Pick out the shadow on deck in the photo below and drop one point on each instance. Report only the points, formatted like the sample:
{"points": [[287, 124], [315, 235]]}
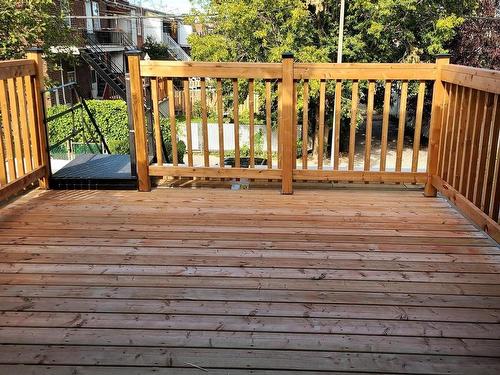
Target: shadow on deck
{"points": [[192, 281]]}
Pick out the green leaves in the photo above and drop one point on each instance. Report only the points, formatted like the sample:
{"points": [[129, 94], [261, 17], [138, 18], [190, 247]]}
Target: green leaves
{"points": [[256, 30], [210, 47], [111, 117], [443, 32], [375, 30], [26, 23]]}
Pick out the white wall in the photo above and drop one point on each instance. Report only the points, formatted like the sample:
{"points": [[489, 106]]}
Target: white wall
{"points": [[184, 32], [153, 27], [213, 136]]}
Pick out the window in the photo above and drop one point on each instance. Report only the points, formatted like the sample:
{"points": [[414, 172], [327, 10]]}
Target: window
{"points": [[71, 76], [66, 12], [95, 13], [166, 28]]}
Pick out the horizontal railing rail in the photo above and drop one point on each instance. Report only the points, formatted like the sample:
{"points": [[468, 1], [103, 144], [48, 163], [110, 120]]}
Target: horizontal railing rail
{"points": [[365, 71], [23, 146]]}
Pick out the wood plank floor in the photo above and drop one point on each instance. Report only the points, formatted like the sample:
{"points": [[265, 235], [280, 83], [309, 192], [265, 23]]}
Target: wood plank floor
{"points": [[193, 281]]}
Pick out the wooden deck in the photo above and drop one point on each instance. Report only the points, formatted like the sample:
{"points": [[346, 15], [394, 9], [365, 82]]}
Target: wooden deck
{"points": [[181, 281]]}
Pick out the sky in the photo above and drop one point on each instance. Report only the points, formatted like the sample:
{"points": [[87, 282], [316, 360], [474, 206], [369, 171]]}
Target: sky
{"points": [[168, 6]]}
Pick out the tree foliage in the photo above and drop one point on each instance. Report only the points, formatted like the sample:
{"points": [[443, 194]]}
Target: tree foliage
{"points": [[478, 40], [156, 50], [375, 30], [28, 23]]}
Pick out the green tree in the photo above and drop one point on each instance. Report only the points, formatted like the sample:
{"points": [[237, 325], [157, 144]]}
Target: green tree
{"points": [[26, 23], [374, 31]]}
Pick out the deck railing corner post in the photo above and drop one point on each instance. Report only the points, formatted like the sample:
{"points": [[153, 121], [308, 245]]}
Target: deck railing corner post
{"points": [[287, 101], [35, 54], [435, 125], [138, 118]]}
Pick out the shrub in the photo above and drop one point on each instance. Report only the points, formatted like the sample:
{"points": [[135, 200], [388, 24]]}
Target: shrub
{"points": [[110, 115]]}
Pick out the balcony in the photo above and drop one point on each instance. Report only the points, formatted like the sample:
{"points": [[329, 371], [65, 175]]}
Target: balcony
{"points": [[108, 40], [372, 272]]}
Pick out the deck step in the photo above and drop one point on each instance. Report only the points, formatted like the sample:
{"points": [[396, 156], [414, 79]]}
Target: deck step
{"points": [[95, 171]]}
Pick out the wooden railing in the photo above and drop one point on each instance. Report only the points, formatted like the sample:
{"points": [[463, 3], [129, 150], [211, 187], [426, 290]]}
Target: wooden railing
{"points": [[23, 146], [285, 81], [462, 156], [387, 76], [467, 159]]}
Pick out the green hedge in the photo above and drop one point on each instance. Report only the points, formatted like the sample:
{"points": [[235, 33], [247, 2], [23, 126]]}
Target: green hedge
{"points": [[112, 118], [110, 115]]}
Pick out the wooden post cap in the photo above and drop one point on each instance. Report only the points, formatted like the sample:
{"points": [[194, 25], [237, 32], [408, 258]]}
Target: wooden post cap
{"points": [[133, 52], [35, 50], [287, 55]]}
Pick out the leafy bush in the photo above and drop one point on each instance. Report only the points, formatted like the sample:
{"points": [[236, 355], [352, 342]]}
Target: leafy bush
{"points": [[155, 50], [110, 115]]}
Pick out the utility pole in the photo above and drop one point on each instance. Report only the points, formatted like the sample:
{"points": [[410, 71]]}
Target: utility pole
{"points": [[339, 60], [341, 31]]}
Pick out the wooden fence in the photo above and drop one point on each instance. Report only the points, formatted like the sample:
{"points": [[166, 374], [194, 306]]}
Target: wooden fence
{"points": [[23, 144], [463, 160]]}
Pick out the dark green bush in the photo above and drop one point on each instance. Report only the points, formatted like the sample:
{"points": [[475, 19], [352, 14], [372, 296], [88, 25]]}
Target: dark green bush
{"points": [[110, 115]]}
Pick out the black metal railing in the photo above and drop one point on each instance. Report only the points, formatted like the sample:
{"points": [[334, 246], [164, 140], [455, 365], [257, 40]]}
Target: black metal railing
{"points": [[112, 37]]}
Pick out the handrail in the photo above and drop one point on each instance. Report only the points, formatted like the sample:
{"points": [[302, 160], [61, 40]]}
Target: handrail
{"points": [[276, 77], [365, 71], [17, 68], [183, 69], [94, 48], [175, 48], [463, 158], [475, 78], [126, 41]]}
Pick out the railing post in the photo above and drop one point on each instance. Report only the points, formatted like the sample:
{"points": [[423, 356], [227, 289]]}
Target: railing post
{"points": [[287, 124], [435, 126], [138, 117], [131, 138], [35, 54]]}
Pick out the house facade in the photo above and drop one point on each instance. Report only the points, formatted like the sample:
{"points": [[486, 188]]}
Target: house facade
{"points": [[106, 30]]}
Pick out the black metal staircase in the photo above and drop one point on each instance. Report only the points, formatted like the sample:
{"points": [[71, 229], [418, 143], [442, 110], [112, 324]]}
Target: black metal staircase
{"points": [[106, 71], [95, 56]]}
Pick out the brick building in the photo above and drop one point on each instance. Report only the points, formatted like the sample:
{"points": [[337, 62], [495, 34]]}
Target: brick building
{"points": [[107, 29]]}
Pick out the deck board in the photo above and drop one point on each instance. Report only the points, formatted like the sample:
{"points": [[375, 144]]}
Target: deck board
{"points": [[189, 281]]}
